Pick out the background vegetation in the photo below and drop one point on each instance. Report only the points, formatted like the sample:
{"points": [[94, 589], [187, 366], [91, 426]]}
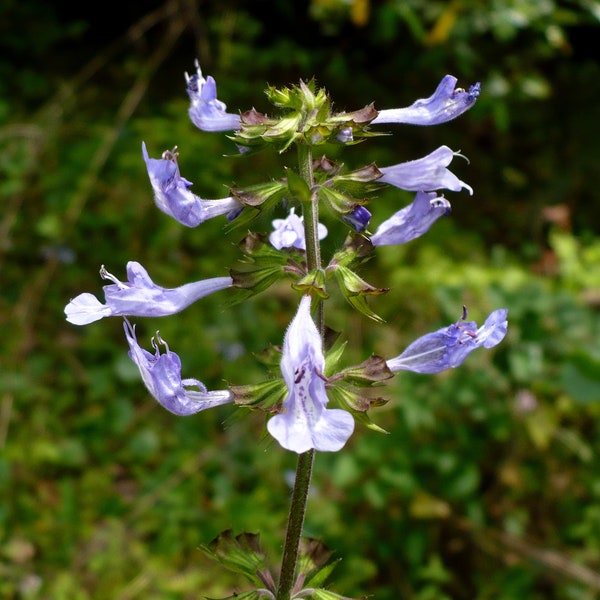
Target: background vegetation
{"points": [[487, 485]]}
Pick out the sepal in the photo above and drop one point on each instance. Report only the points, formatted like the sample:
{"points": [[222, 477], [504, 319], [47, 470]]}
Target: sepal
{"points": [[267, 395], [340, 202], [372, 371], [265, 195], [356, 401], [315, 567], [243, 554], [264, 265], [355, 290], [312, 283], [356, 249]]}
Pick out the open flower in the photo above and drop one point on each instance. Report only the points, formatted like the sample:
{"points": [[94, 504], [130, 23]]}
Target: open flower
{"points": [[206, 111], [425, 174], [172, 193], [161, 374], [139, 296], [304, 422], [445, 104], [448, 347], [412, 221], [289, 232]]}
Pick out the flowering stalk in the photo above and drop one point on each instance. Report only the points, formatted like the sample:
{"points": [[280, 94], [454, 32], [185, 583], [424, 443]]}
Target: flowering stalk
{"points": [[310, 212]]}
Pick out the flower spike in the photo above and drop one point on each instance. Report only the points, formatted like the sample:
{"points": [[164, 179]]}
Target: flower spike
{"points": [[448, 347], [161, 374], [206, 111], [173, 196], [304, 422], [425, 174], [445, 104], [412, 221], [139, 296]]}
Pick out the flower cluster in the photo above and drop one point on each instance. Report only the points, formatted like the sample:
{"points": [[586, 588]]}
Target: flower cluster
{"points": [[309, 378]]}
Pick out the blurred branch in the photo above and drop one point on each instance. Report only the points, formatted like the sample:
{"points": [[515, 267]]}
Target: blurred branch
{"points": [[497, 542]]}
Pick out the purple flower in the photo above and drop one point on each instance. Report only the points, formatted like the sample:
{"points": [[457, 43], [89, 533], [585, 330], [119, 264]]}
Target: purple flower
{"points": [[445, 104], [206, 111], [412, 221], [304, 422], [289, 232], [358, 218], [448, 347], [173, 196], [162, 377], [425, 174], [139, 296]]}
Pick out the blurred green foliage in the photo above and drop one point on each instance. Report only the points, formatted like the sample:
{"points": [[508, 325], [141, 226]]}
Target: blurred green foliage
{"points": [[487, 485]]}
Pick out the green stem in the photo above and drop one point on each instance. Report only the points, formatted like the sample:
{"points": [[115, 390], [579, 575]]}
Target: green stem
{"points": [[291, 550], [295, 525]]}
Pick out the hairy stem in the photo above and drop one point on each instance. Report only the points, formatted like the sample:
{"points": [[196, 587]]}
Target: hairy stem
{"points": [[310, 211]]}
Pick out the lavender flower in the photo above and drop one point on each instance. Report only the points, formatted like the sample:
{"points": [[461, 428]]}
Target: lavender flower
{"points": [[412, 221], [139, 296], [448, 347], [161, 374], [425, 174], [173, 196], [206, 111], [289, 232], [304, 422], [445, 104]]}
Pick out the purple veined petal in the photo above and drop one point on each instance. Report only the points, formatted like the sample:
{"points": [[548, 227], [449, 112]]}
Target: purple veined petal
{"points": [[445, 104], [425, 174], [161, 374], [358, 218], [206, 111], [139, 296], [448, 347], [289, 232], [304, 422], [173, 196], [412, 221]]}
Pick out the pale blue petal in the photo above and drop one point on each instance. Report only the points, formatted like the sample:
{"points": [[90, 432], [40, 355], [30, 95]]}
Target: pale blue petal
{"points": [[445, 104], [139, 296], [412, 221], [304, 422], [206, 111], [161, 374], [425, 174], [448, 347], [173, 196]]}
